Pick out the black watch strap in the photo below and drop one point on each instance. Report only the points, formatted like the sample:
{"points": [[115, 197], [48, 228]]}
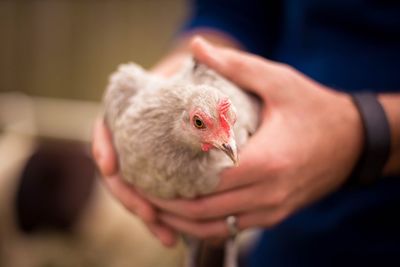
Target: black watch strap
{"points": [[376, 148]]}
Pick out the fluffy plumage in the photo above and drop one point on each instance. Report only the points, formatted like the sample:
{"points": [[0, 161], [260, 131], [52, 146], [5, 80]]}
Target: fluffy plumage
{"points": [[145, 114], [174, 136]]}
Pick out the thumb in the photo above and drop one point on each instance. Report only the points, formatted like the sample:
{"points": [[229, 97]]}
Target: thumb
{"points": [[246, 70]]}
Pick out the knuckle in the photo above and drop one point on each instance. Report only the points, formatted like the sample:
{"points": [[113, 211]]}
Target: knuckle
{"points": [[242, 62], [279, 197], [281, 164], [285, 68], [276, 199], [289, 75]]}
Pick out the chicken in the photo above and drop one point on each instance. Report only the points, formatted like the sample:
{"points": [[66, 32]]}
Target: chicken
{"points": [[174, 136]]}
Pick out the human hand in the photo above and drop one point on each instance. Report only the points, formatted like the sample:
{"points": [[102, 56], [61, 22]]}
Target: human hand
{"points": [[126, 194], [305, 148]]}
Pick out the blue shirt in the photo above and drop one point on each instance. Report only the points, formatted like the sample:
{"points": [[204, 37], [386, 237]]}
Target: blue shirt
{"points": [[349, 45]]}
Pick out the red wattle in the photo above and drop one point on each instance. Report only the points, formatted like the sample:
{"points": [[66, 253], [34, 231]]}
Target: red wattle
{"points": [[206, 147]]}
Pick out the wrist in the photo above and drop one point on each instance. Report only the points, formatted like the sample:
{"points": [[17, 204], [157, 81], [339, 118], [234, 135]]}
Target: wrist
{"points": [[352, 124]]}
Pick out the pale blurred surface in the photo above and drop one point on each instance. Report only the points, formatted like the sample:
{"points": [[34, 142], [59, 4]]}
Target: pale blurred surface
{"points": [[55, 58]]}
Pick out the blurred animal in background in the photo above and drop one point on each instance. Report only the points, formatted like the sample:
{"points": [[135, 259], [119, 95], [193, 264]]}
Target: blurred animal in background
{"points": [[174, 136]]}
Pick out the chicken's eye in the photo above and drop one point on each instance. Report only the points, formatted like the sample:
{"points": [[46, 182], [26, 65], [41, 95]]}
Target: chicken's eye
{"points": [[198, 123]]}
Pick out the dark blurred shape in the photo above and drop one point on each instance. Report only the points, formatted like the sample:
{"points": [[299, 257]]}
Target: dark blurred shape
{"points": [[211, 256], [55, 185]]}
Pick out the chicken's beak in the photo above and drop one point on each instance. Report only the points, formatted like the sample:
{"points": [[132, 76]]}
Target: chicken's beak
{"points": [[230, 150]]}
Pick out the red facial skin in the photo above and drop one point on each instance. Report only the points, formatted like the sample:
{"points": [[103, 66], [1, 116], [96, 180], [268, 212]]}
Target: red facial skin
{"points": [[223, 108], [212, 133], [206, 147]]}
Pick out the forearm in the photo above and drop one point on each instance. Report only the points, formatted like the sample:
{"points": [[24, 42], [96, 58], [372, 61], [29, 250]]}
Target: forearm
{"points": [[391, 104], [168, 65]]}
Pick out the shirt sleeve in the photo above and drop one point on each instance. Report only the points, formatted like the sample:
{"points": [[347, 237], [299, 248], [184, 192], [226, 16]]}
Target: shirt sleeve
{"points": [[253, 23]]}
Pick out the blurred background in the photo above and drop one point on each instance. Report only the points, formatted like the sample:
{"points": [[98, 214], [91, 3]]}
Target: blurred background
{"points": [[55, 58], [67, 48]]}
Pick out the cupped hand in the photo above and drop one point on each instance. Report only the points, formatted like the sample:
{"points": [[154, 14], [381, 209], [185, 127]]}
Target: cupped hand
{"points": [[106, 159], [309, 140], [126, 194]]}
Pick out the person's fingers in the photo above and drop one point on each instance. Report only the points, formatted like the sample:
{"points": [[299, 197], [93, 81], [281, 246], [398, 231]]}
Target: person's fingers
{"points": [[103, 150], [252, 197], [258, 160], [202, 230], [135, 203], [248, 171], [165, 234], [248, 71], [130, 198], [218, 228]]}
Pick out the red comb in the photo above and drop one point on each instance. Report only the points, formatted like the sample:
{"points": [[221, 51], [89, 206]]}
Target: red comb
{"points": [[224, 105]]}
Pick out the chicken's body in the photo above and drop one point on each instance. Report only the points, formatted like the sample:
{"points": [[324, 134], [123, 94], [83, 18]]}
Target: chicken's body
{"points": [[151, 122]]}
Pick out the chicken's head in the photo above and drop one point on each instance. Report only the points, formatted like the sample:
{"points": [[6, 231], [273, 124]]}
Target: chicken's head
{"points": [[209, 120]]}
